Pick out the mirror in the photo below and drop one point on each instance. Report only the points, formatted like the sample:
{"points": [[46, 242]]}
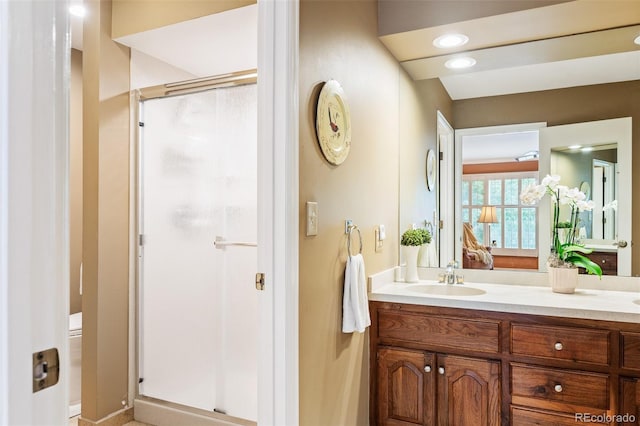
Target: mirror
{"points": [[603, 161], [546, 107]]}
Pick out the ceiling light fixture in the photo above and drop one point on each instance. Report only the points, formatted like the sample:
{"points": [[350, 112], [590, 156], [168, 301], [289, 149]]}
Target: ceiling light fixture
{"points": [[78, 10], [530, 155], [575, 146], [460, 63], [637, 40], [587, 149], [450, 40]]}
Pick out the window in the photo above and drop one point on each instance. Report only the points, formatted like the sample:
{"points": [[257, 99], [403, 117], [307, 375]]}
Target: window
{"points": [[515, 233]]}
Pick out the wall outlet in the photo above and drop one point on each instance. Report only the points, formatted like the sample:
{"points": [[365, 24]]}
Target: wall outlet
{"points": [[312, 218]]}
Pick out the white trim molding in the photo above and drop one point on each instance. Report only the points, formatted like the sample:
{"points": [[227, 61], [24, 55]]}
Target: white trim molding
{"points": [[278, 25]]}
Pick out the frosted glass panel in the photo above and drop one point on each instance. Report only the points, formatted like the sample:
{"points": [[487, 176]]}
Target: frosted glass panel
{"points": [[198, 303]]}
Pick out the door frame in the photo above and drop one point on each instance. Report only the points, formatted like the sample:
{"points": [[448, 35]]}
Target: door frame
{"points": [[34, 216], [278, 118], [278, 28], [447, 193]]}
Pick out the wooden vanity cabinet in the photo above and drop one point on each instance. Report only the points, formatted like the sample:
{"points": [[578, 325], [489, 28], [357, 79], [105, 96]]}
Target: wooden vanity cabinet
{"points": [[500, 368], [421, 388], [608, 262], [630, 384], [421, 378]]}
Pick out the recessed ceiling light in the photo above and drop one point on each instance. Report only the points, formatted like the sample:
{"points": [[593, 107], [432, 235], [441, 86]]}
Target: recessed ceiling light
{"points": [[77, 10], [575, 146], [637, 40], [460, 63], [587, 149], [450, 40]]}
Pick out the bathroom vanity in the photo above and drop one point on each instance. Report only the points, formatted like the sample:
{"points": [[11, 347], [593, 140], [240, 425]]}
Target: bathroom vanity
{"points": [[503, 355]]}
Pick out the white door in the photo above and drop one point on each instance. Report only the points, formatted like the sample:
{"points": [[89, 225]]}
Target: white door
{"points": [[34, 291], [602, 133], [446, 192]]}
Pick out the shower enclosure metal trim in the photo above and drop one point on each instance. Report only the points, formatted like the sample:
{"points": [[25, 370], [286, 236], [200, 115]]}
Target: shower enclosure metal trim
{"points": [[166, 91]]}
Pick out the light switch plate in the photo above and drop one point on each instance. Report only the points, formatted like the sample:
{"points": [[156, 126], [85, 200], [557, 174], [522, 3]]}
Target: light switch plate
{"points": [[380, 236], [312, 218]]}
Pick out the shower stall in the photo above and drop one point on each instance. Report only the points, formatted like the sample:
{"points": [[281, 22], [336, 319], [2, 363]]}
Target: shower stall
{"points": [[197, 224]]}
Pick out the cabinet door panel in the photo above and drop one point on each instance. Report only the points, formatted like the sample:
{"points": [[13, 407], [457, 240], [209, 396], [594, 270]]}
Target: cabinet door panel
{"points": [[405, 390], [468, 391]]}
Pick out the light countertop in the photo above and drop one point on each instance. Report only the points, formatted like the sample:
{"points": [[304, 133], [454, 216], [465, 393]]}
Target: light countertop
{"points": [[597, 304]]}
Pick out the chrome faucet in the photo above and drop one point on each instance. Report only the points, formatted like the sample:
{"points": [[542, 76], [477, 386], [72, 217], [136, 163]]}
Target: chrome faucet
{"points": [[450, 276]]}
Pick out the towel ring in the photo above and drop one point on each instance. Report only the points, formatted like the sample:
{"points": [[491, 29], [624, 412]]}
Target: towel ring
{"points": [[428, 225], [351, 228]]}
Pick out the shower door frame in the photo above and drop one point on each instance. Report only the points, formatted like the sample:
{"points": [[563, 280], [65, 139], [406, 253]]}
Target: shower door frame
{"points": [[160, 92]]}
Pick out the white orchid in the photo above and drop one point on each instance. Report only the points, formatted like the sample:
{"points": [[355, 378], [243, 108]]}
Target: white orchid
{"points": [[550, 181], [611, 206], [568, 252]]}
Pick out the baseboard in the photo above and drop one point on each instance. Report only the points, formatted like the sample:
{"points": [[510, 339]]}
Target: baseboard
{"points": [[119, 418], [161, 413]]}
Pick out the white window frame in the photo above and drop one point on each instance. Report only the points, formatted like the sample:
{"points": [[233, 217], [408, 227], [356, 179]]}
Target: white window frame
{"points": [[485, 177]]}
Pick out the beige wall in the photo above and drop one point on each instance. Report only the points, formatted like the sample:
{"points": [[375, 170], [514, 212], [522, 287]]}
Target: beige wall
{"points": [[419, 103], [106, 217], [134, 16], [75, 181], [334, 366], [563, 106]]}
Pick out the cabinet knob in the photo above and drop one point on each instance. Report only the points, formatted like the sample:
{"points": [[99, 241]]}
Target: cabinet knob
{"points": [[558, 346], [441, 370], [604, 261], [558, 388], [427, 369]]}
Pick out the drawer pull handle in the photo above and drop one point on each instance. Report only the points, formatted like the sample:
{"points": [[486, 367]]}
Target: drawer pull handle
{"points": [[427, 369], [558, 388], [441, 370], [558, 346]]}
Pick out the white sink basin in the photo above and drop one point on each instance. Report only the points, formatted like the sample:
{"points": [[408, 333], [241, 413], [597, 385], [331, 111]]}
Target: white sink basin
{"points": [[446, 289]]}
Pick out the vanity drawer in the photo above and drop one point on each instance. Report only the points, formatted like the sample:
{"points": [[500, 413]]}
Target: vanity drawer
{"points": [[446, 332], [562, 386], [521, 416], [630, 350], [569, 343], [608, 262]]}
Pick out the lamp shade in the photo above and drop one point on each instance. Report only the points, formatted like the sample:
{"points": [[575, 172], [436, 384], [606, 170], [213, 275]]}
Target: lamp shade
{"points": [[488, 215]]}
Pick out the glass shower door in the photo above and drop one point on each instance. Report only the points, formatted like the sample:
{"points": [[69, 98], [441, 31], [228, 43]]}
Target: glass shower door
{"points": [[197, 302]]}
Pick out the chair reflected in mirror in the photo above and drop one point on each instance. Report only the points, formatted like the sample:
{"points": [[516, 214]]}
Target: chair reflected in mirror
{"points": [[474, 254]]}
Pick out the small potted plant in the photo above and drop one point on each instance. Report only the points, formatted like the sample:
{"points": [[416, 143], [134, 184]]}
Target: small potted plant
{"points": [[411, 241]]}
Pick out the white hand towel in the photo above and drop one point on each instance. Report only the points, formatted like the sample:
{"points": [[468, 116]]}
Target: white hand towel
{"points": [[355, 304]]}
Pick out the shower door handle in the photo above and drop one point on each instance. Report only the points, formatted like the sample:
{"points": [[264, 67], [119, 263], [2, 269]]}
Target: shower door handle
{"points": [[221, 243]]}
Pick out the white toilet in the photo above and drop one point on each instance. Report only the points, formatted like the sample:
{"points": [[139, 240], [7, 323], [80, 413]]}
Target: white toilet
{"points": [[75, 362]]}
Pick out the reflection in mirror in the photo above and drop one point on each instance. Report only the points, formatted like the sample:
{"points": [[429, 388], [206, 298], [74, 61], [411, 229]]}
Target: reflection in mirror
{"points": [[592, 170], [603, 158], [589, 74], [495, 164]]}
